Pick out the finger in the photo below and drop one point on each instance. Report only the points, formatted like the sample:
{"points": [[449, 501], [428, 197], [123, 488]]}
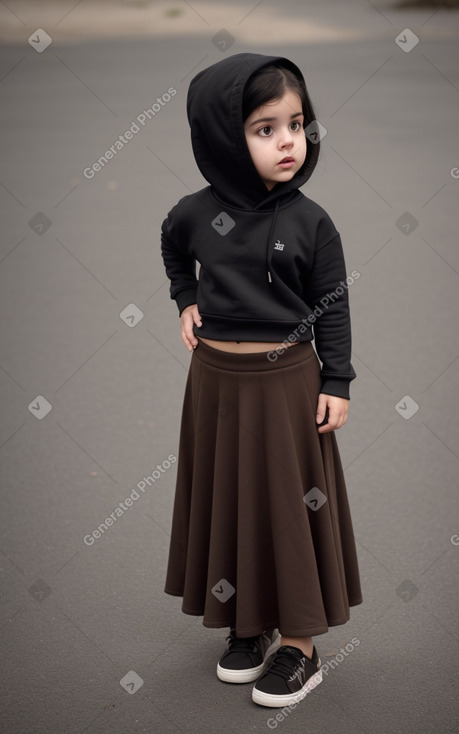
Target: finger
{"points": [[186, 341], [325, 429], [187, 326], [197, 317], [191, 339], [321, 408], [336, 420], [325, 404]]}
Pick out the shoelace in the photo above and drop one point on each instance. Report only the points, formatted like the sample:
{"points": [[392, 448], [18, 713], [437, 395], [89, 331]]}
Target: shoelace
{"points": [[283, 664], [242, 644]]}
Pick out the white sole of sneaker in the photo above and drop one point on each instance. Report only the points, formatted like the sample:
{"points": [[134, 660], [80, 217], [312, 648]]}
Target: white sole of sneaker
{"points": [[269, 699], [248, 675]]}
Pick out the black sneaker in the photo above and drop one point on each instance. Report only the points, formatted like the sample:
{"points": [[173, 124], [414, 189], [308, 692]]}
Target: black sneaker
{"points": [[244, 659], [287, 678]]}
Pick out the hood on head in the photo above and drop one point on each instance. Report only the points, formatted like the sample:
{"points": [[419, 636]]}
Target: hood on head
{"points": [[214, 108]]}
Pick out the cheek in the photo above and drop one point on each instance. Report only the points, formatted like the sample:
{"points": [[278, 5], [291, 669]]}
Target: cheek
{"points": [[252, 146], [257, 151], [302, 148]]}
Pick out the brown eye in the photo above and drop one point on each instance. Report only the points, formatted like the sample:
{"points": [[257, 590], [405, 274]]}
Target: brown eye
{"points": [[265, 131]]}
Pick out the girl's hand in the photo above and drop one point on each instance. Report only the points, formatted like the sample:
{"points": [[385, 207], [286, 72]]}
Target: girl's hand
{"points": [[189, 317], [338, 409]]}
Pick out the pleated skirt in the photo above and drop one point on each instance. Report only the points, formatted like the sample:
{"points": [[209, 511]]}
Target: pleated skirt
{"points": [[262, 535]]}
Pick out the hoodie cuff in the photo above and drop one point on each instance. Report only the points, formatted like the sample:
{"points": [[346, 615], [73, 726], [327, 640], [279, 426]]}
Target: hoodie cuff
{"points": [[185, 298], [337, 387]]}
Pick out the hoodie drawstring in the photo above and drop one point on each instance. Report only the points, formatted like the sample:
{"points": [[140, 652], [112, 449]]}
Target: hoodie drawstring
{"points": [[268, 244]]}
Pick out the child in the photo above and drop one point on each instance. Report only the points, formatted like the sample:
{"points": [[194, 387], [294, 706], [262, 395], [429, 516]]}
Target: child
{"points": [[262, 539]]}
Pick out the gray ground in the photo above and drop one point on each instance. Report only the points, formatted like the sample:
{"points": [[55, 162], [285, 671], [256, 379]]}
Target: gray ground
{"points": [[77, 619]]}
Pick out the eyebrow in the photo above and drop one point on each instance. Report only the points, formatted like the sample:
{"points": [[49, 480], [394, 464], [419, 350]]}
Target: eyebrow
{"points": [[270, 119]]}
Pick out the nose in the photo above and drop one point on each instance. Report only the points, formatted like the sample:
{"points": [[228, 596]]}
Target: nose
{"points": [[286, 138]]}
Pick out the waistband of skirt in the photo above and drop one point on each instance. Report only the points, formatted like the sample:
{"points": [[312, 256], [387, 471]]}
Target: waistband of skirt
{"points": [[254, 361]]}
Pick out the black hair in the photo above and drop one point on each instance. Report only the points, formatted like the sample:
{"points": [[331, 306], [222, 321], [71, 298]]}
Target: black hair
{"points": [[269, 84]]}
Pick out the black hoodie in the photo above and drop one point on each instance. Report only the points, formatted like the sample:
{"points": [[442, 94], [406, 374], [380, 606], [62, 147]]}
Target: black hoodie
{"points": [[271, 262]]}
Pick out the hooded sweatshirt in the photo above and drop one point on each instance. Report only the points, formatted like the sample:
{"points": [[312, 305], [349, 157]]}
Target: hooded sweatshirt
{"points": [[271, 263]]}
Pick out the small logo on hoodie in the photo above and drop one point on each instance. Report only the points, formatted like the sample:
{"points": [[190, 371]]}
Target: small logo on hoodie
{"points": [[279, 245], [223, 223]]}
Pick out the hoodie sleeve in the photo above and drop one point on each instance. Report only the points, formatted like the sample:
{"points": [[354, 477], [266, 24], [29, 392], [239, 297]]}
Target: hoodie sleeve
{"points": [[180, 266], [326, 294]]}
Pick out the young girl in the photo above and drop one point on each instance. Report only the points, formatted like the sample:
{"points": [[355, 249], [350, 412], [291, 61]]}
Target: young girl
{"points": [[262, 539]]}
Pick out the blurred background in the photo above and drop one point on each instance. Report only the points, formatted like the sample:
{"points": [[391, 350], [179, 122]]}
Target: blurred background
{"points": [[95, 151]]}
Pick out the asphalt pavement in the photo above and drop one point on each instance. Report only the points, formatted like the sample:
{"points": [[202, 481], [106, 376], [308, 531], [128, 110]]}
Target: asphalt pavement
{"points": [[92, 368]]}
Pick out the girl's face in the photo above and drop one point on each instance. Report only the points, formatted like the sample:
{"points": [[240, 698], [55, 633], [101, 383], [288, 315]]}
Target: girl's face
{"points": [[276, 139]]}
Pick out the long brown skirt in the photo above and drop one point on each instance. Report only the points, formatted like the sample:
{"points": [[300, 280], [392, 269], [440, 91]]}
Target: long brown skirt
{"points": [[262, 534]]}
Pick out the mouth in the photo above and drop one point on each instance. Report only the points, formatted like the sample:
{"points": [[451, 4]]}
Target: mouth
{"points": [[286, 162]]}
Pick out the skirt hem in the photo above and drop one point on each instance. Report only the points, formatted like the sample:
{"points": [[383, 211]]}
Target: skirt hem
{"points": [[263, 626]]}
